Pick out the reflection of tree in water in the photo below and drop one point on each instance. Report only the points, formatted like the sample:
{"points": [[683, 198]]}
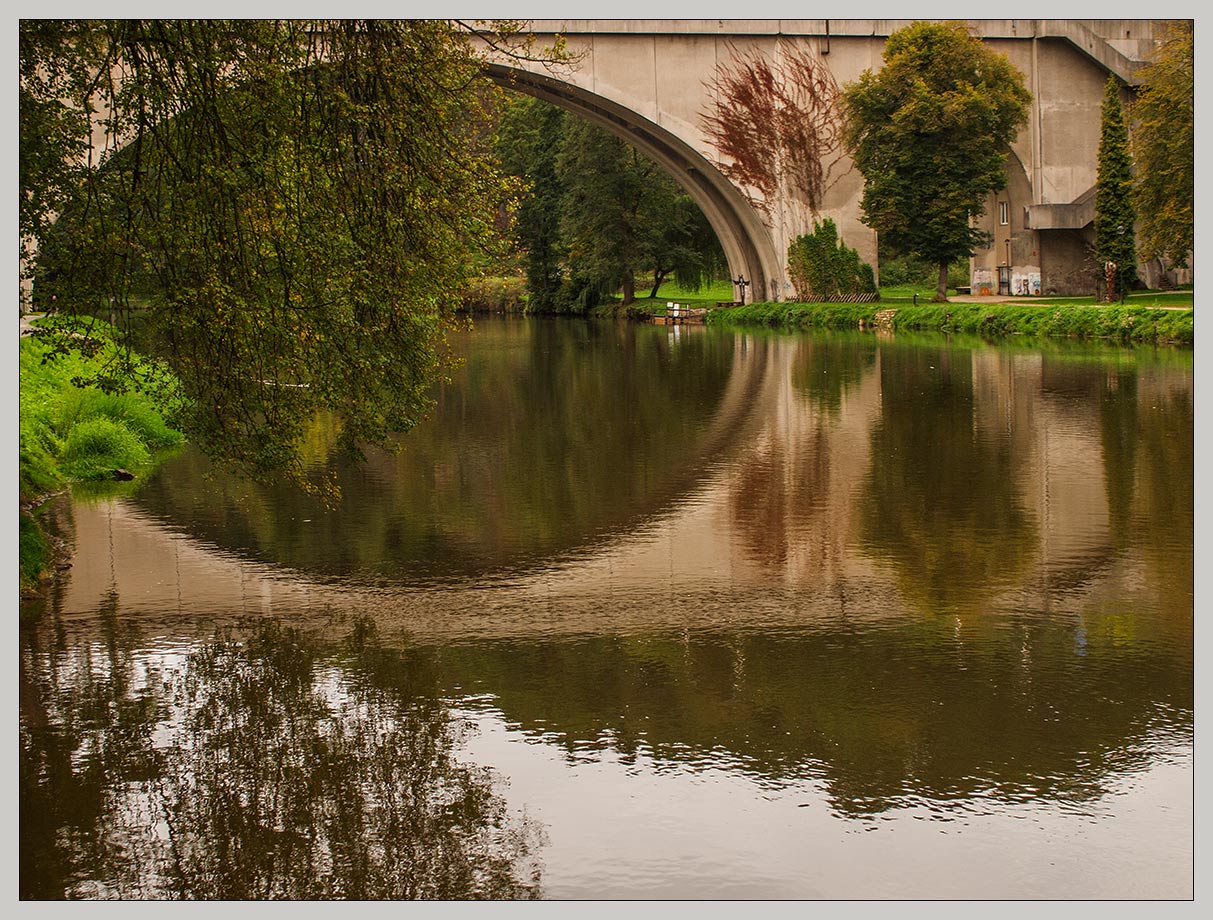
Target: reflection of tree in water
{"points": [[1167, 503], [906, 713], [942, 503], [550, 436], [785, 481], [1119, 436], [260, 769], [828, 365]]}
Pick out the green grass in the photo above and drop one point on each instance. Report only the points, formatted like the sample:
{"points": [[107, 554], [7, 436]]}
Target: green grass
{"points": [[1181, 298], [95, 447], [707, 296], [71, 433], [1136, 321]]}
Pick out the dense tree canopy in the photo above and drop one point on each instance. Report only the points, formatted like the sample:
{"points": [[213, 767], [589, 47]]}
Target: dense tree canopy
{"points": [[529, 144], [597, 214], [1164, 148], [290, 208], [1114, 216], [930, 133]]}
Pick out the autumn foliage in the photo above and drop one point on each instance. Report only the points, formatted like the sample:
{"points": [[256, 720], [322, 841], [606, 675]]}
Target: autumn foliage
{"points": [[777, 125]]}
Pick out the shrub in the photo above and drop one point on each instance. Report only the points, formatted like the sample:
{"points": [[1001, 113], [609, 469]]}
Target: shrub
{"points": [[97, 446], [496, 295], [132, 412], [823, 269], [906, 270]]}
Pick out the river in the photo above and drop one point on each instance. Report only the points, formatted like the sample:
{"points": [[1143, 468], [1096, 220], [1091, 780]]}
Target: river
{"points": [[646, 612]]}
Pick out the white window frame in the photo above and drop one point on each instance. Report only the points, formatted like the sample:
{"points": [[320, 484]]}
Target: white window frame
{"points": [[1004, 213]]}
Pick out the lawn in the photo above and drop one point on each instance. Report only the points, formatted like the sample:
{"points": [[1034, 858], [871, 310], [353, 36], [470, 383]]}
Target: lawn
{"points": [[723, 292]]}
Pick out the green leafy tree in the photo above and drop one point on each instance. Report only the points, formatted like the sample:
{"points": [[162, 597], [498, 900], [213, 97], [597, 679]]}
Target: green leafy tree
{"points": [[528, 144], [57, 60], [678, 239], [604, 187], [1114, 214], [595, 214], [622, 215], [930, 133], [294, 206], [1163, 146]]}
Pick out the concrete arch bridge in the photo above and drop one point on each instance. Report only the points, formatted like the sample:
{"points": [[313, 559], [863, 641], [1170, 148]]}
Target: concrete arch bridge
{"points": [[651, 82]]}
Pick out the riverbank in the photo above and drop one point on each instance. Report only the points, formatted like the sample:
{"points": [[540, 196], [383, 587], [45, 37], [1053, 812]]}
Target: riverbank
{"points": [[980, 316], [71, 434]]}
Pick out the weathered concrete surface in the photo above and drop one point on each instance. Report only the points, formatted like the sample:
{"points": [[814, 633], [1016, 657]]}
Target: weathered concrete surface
{"points": [[649, 81]]}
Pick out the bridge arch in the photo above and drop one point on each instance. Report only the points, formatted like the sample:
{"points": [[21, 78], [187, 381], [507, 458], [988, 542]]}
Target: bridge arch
{"points": [[744, 238]]}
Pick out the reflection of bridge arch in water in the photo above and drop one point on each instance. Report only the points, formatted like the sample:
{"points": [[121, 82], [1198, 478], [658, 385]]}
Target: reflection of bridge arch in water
{"points": [[854, 682], [678, 561], [153, 562]]}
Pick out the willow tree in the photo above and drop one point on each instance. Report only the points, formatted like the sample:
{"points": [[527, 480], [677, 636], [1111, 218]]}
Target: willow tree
{"points": [[930, 132], [290, 207]]}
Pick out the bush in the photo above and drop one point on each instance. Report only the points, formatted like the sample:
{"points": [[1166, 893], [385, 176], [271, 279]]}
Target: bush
{"points": [[823, 269], [132, 412], [496, 295], [96, 447]]}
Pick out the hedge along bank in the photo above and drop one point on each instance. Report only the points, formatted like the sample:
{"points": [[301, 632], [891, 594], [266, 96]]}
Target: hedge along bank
{"points": [[1119, 323]]}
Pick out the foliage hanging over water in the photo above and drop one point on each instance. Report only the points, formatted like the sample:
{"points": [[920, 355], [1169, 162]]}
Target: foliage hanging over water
{"points": [[290, 208]]}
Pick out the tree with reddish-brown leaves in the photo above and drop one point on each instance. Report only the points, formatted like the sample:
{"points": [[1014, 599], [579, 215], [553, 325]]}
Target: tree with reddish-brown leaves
{"points": [[777, 125]]}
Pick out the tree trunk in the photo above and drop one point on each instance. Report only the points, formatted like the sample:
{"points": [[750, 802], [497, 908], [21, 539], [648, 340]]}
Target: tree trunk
{"points": [[941, 289], [658, 277], [629, 289]]}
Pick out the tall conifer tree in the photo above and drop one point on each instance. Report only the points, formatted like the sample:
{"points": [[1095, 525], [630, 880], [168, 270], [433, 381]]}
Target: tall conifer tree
{"points": [[1114, 215]]}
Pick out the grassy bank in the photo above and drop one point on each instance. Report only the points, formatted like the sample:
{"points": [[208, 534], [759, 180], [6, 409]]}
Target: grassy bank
{"points": [[72, 434], [1128, 323]]}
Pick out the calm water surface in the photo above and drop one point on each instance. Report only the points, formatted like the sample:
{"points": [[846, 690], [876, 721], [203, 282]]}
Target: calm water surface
{"points": [[645, 613]]}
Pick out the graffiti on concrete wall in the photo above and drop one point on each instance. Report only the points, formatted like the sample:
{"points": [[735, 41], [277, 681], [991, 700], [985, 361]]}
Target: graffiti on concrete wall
{"points": [[984, 282], [1025, 281]]}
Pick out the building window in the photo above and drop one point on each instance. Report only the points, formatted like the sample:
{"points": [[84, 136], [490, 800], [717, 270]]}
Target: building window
{"points": [[1004, 213]]}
